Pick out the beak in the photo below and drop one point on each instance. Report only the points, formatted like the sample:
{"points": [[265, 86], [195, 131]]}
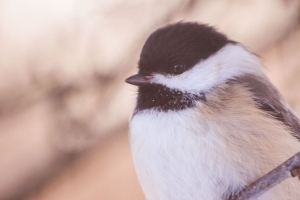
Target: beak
{"points": [[139, 80]]}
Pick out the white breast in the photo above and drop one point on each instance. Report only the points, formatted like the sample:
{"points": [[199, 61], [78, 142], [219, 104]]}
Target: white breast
{"points": [[178, 155]]}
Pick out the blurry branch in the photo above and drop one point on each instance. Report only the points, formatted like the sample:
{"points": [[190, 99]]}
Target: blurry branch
{"points": [[289, 168], [17, 99], [75, 106]]}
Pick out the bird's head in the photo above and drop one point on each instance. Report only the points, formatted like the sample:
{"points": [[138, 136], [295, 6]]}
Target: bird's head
{"points": [[181, 62]]}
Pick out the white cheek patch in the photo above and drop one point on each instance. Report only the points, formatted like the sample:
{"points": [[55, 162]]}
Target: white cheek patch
{"points": [[229, 62]]}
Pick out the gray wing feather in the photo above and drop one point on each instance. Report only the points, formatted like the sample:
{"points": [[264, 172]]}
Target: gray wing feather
{"points": [[270, 100]]}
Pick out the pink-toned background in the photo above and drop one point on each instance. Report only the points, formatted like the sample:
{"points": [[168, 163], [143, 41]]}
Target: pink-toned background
{"points": [[64, 106]]}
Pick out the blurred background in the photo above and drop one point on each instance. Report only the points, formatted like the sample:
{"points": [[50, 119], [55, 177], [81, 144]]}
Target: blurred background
{"points": [[64, 106]]}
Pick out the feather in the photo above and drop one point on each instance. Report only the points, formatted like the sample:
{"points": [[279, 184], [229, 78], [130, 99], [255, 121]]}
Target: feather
{"points": [[270, 100]]}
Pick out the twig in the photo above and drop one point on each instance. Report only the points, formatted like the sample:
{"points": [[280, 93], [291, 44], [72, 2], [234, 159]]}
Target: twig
{"points": [[270, 180]]}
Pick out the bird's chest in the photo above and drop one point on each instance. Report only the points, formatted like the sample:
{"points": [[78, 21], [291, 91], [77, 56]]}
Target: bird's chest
{"points": [[177, 157], [182, 155]]}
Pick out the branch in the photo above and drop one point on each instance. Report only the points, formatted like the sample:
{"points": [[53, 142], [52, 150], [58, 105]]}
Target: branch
{"points": [[277, 175]]}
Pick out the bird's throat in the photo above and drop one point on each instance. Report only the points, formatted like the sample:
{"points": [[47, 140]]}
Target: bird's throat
{"points": [[162, 98]]}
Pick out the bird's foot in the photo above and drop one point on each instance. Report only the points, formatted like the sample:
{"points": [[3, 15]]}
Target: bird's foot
{"points": [[296, 172]]}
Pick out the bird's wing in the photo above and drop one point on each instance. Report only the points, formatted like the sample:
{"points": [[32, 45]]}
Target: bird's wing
{"points": [[270, 100]]}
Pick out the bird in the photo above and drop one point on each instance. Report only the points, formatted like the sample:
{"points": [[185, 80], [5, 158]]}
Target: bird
{"points": [[207, 120]]}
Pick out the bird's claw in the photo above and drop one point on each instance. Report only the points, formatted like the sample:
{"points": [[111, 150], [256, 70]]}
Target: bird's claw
{"points": [[296, 172]]}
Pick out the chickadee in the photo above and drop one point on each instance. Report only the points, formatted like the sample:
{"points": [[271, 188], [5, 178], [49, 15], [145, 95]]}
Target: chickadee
{"points": [[207, 121]]}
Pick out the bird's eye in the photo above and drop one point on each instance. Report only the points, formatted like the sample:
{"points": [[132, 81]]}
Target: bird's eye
{"points": [[178, 69]]}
